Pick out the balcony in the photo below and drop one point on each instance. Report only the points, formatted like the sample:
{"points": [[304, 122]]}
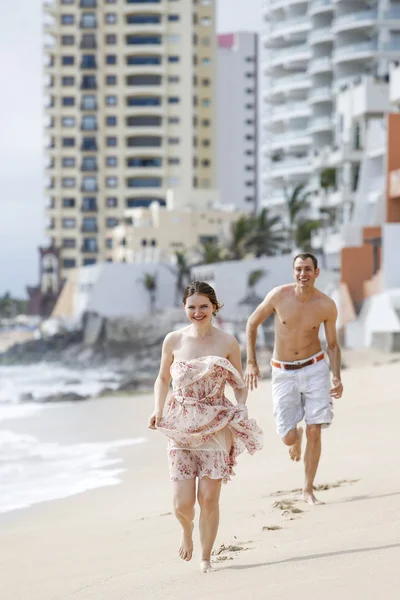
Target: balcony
{"points": [[320, 65], [355, 52], [321, 124], [288, 83], [297, 53], [320, 6], [292, 139], [277, 4], [320, 95], [291, 110], [356, 20], [89, 228], [289, 26], [323, 35], [290, 167], [89, 249]]}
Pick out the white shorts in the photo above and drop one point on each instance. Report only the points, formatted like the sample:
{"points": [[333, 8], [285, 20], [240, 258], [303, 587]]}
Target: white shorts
{"points": [[301, 393]]}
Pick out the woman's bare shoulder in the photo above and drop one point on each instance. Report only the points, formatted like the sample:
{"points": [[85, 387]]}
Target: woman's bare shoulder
{"points": [[174, 338]]}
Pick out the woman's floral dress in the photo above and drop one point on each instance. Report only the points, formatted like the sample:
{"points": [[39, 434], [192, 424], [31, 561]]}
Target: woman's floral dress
{"points": [[206, 431]]}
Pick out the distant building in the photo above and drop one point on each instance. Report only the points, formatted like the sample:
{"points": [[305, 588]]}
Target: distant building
{"points": [[130, 111], [238, 119], [43, 297]]}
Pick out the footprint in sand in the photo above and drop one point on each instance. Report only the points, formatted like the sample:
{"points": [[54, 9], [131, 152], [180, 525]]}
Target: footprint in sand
{"points": [[287, 507], [271, 528], [229, 552], [318, 488]]}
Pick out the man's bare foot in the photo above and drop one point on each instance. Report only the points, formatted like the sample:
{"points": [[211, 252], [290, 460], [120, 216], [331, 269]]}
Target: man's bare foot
{"points": [[186, 547], [311, 499], [205, 566], [295, 450]]}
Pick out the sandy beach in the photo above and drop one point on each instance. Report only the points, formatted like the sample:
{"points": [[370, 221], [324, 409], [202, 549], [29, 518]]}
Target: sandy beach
{"points": [[121, 542]]}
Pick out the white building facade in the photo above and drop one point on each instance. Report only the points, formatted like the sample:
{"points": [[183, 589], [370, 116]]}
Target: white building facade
{"points": [[237, 119], [314, 50], [129, 107]]}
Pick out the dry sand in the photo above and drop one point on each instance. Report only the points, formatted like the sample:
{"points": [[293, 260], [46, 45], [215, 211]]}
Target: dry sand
{"points": [[121, 543]]}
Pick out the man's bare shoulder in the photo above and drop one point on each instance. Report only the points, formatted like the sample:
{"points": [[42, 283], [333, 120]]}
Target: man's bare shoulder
{"points": [[326, 302], [281, 291]]}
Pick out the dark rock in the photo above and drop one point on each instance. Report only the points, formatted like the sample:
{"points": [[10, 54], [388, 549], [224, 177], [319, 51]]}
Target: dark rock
{"points": [[64, 397]]}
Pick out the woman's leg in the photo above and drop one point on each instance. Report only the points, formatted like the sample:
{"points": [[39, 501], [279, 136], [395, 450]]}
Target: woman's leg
{"points": [[184, 498], [208, 497]]}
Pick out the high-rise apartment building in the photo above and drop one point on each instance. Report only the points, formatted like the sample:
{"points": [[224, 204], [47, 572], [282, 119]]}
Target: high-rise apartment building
{"points": [[237, 119], [313, 50], [130, 109]]}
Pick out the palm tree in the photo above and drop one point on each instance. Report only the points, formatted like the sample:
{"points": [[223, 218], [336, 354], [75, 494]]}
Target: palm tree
{"points": [[182, 271], [251, 298], [210, 252], [303, 233], [266, 234], [239, 234], [296, 202], [150, 284]]}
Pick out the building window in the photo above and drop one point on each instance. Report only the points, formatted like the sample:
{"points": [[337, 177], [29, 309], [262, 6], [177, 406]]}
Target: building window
{"points": [[144, 101], [88, 40], [111, 39], [205, 143], [67, 1], [173, 18], [111, 80], [143, 40], [249, 91], [111, 100], [206, 2], [89, 184], [206, 21], [111, 59], [89, 102], [206, 123], [174, 120], [67, 40], [111, 182], [68, 121], [174, 161], [249, 75], [68, 101], [206, 102], [88, 61], [68, 162], [88, 3], [88, 82], [69, 223], [111, 1], [249, 137], [89, 261], [205, 163], [112, 202], [89, 144], [111, 121], [111, 141], [69, 243], [111, 161], [89, 163], [89, 204], [68, 60], [174, 79], [89, 123], [67, 19], [143, 19], [89, 245], [144, 182], [68, 142], [143, 59], [89, 224], [88, 21], [144, 162], [173, 141], [249, 183], [111, 222], [206, 61], [250, 106], [205, 82], [173, 100], [68, 263], [173, 59], [249, 198], [111, 18], [68, 202], [249, 168], [109, 243]]}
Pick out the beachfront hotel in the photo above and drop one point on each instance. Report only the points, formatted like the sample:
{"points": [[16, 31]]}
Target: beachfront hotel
{"points": [[312, 52], [129, 114]]}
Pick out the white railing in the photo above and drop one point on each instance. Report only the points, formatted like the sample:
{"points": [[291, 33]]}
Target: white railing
{"points": [[292, 106], [320, 64], [322, 92], [364, 15], [356, 48], [324, 35]]}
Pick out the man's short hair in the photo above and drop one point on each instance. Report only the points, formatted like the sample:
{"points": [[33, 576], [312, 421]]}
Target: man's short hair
{"points": [[304, 256]]}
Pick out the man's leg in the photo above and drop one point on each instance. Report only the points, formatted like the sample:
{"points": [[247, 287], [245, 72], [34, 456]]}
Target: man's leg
{"points": [[208, 497], [184, 497], [311, 460], [293, 440]]}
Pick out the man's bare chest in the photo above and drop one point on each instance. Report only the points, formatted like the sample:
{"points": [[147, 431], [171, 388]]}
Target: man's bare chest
{"points": [[296, 318]]}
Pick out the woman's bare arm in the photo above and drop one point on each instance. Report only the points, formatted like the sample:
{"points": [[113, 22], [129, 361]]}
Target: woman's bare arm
{"points": [[161, 386]]}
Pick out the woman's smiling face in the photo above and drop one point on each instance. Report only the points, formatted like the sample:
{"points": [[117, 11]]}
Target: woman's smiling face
{"points": [[199, 309]]}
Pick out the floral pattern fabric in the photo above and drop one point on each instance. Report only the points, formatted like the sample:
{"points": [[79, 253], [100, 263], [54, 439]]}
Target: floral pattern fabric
{"points": [[206, 431]]}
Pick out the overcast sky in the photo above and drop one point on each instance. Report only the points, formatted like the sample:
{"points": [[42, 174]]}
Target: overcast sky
{"points": [[21, 176]]}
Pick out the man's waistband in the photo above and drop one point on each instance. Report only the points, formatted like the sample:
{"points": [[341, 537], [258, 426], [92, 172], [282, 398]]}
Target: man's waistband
{"points": [[298, 364]]}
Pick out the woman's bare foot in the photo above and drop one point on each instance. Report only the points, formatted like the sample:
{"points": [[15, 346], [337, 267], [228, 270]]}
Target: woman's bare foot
{"points": [[311, 499], [295, 450], [186, 547], [205, 566]]}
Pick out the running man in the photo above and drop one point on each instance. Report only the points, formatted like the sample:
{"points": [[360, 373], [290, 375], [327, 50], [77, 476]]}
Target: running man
{"points": [[300, 374]]}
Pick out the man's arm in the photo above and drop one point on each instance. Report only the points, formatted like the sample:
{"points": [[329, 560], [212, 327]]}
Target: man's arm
{"points": [[262, 312], [333, 350]]}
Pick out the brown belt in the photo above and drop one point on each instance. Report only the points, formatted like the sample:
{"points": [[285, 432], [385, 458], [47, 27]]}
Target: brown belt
{"points": [[294, 367]]}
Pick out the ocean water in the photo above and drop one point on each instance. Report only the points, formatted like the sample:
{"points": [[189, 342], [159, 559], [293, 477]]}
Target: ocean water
{"points": [[32, 470]]}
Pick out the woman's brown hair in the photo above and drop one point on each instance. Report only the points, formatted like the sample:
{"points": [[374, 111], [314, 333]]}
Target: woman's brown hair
{"points": [[201, 287]]}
